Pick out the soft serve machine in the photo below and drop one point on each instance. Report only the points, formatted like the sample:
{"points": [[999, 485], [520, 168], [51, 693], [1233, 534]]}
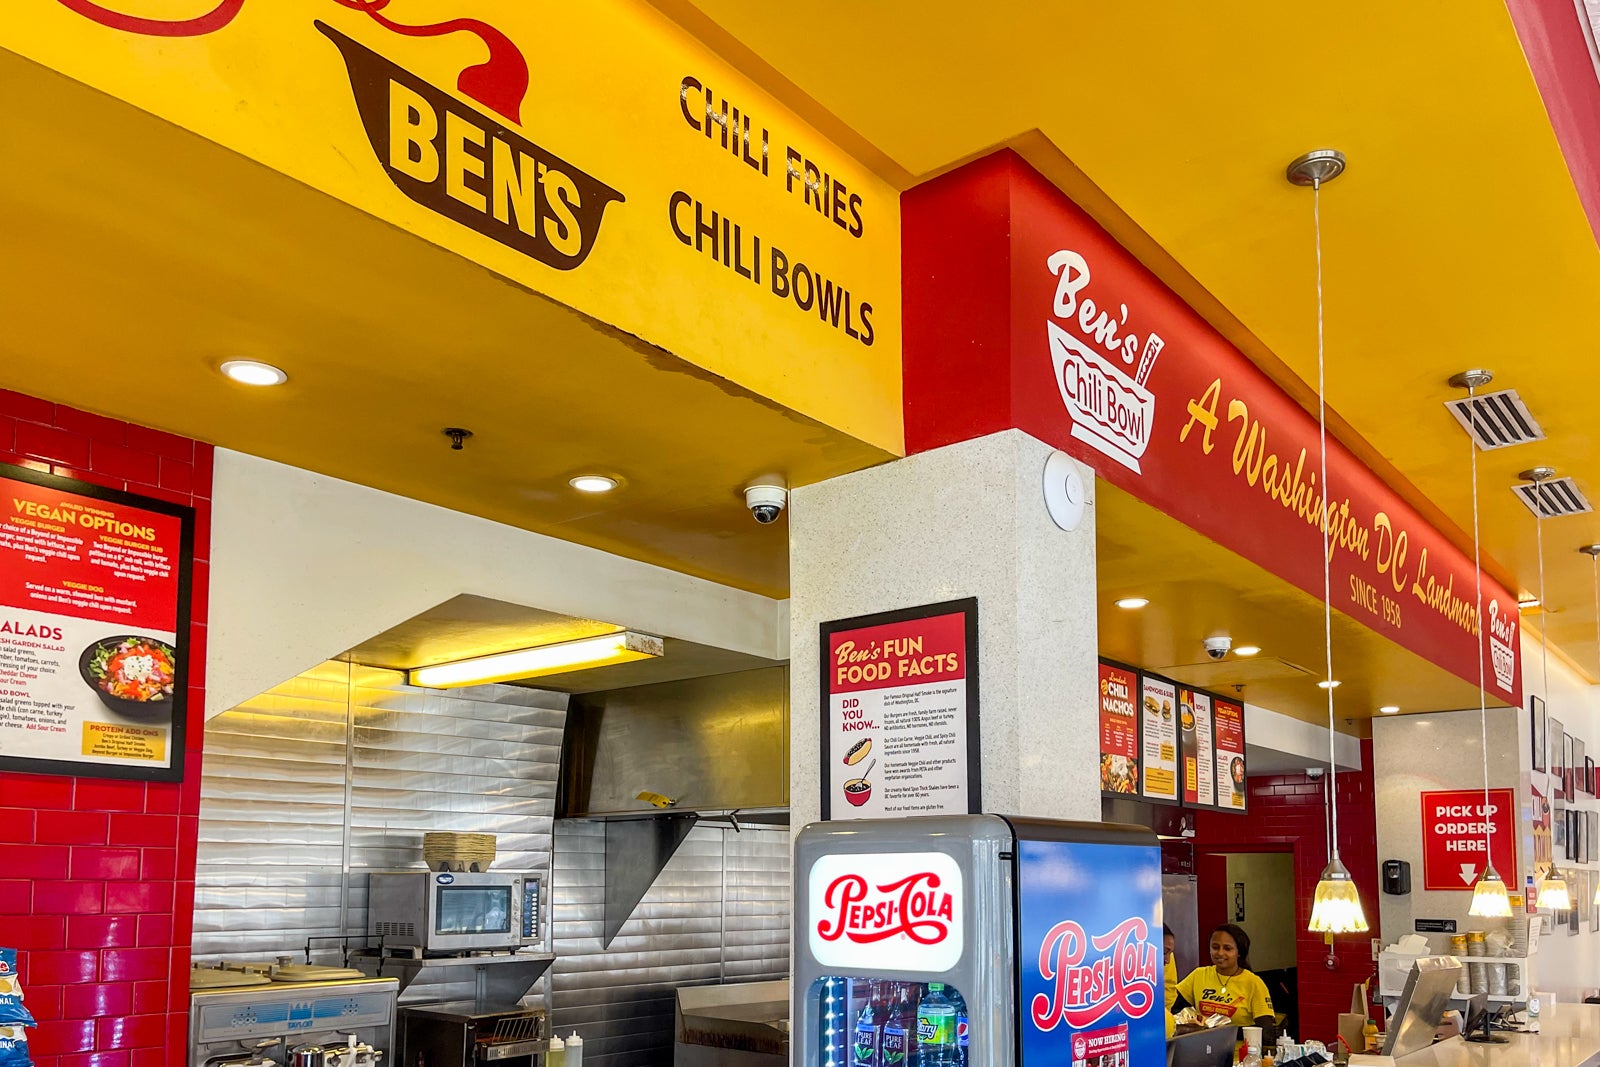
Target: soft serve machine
{"points": [[289, 1015]]}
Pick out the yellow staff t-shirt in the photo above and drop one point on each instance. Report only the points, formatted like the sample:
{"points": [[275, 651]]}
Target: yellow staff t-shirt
{"points": [[1242, 997]]}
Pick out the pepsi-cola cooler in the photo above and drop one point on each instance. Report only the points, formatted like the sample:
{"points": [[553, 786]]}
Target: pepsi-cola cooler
{"points": [[977, 941]]}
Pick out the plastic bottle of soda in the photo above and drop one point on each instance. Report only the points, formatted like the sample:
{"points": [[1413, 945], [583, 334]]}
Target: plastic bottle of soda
{"points": [[869, 1031], [936, 1029], [963, 1030], [895, 1045]]}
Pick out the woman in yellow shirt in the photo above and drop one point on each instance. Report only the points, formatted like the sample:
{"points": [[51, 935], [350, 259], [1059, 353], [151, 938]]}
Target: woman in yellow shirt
{"points": [[1227, 987]]}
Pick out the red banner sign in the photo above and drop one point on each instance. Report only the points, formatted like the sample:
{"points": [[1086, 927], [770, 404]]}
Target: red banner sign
{"points": [[1453, 831], [1111, 366]]}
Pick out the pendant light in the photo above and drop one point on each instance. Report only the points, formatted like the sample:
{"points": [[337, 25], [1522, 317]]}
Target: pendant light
{"points": [[1489, 897], [1593, 552], [1336, 905], [1553, 893]]}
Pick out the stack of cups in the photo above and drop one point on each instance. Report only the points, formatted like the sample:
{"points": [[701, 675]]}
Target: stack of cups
{"points": [[1458, 949], [1475, 947]]}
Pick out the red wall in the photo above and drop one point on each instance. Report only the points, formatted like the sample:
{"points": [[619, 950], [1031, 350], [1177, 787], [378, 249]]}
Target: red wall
{"points": [[1288, 809], [97, 875]]}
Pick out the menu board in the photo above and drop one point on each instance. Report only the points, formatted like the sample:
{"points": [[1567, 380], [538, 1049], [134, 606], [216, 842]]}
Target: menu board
{"points": [[1158, 721], [94, 621], [1119, 731], [1199, 753], [900, 713], [1229, 736]]}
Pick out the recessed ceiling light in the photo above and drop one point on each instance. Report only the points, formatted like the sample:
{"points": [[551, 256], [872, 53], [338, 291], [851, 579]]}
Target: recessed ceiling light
{"points": [[1330, 684], [253, 372], [1131, 602], [593, 483], [1389, 709], [1247, 650]]}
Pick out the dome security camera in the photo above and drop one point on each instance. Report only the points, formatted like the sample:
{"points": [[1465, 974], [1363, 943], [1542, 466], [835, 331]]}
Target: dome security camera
{"points": [[766, 502], [1217, 647]]}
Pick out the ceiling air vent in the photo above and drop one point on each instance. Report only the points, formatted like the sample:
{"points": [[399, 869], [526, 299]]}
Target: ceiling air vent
{"points": [[1559, 496], [1496, 420]]}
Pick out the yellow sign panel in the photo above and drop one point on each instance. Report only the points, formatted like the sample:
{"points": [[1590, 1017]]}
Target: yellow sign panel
{"points": [[109, 740], [594, 152]]}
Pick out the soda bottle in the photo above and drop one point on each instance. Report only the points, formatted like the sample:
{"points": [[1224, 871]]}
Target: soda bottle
{"points": [[869, 1031], [936, 1029], [895, 1044], [963, 1028]]}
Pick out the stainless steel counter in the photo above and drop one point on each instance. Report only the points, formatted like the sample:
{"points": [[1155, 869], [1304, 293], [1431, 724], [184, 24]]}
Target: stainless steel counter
{"points": [[1569, 1038]]}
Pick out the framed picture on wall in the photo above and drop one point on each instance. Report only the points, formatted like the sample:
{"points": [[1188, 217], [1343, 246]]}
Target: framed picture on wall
{"points": [[1588, 773], [1572, 921], [1540, 732], [1580, 782], [1555, 734], [1566, 765], [1558, 828]]}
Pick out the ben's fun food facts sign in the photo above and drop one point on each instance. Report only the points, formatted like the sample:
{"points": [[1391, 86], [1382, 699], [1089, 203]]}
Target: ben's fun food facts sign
{"points": [[94, 589], [899, 730]]}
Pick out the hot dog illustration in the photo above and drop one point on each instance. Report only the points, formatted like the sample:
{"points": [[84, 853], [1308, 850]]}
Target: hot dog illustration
{"points": [[858, 752]]}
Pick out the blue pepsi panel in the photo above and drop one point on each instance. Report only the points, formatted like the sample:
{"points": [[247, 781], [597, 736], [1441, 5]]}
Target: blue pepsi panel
{"points": [[1089, 950]]}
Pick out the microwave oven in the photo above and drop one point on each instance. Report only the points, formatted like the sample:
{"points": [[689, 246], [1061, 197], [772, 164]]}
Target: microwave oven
{"points": [[454, 912]]}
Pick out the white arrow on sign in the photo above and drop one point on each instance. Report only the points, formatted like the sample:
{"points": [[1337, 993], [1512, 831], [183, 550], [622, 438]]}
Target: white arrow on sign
{"points": [[1469, 873]]}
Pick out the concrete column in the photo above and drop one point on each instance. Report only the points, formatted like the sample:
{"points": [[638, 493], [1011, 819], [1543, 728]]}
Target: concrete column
{"points": [[965, 520]]}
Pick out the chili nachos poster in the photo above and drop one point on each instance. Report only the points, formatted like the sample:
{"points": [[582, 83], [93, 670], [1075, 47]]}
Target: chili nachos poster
{"points": [[94, 616], [900, 713]]}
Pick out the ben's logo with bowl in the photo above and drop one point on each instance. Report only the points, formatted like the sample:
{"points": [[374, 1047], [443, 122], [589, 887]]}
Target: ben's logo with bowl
{"points": [[463, 162], [1089, 976], [1503, 644], [1092, 349]]}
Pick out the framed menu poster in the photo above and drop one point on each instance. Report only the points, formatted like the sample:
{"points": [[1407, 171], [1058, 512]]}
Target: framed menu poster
{"points": [[94, 628], [1158, 737], [1199, 748], [1229, 740], [1119, 730], [900, 713]]}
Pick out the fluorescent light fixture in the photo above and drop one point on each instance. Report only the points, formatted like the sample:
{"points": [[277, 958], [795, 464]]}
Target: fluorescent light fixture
{"points": [[1332, 683], [253, 372], [1528, 605], [1247, 650], [1389, 709], [1132, 602], [545, 659], [593, 483]]}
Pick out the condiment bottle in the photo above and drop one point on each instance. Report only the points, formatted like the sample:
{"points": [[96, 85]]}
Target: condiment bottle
{"points": [[557, 1055], [1369, 1036], [574, 1055]]}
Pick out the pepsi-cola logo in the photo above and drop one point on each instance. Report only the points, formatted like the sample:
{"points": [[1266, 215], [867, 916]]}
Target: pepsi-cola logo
{"points": [[886, 910], [915, 905], [1082, 988]]}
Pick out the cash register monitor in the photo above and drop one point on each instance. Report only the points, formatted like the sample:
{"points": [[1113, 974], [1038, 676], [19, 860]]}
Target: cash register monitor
{"points": [[1212, 1047], [1427, 993]]}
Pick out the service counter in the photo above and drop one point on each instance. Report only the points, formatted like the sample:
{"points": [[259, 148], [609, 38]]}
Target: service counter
{"points": [[1569, 1038]]}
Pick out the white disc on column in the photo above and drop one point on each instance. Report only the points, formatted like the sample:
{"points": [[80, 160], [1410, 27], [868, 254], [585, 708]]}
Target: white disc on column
{"points": [[1064, 492]]}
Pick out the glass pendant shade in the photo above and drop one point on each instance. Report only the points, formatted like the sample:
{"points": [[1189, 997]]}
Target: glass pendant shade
{"points": [[1489, 897], [1553, 895], [1336, 907]]}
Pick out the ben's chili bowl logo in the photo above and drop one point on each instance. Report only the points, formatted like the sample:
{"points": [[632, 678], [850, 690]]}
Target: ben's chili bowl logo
{"points": [[446, 155], [1110, 410], [886, 910], [1502, 644], [1083, 987]]}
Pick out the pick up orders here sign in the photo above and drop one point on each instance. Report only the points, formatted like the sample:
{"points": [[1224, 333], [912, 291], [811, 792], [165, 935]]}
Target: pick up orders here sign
{"points": [[1455, 824]]}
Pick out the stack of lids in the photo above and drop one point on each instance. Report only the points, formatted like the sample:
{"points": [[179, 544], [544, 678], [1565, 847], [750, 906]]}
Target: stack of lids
{"points": [[447, 850]]}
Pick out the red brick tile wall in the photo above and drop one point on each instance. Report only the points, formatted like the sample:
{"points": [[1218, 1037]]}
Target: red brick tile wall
{"points": [[97, 875], [1288, 809]]}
